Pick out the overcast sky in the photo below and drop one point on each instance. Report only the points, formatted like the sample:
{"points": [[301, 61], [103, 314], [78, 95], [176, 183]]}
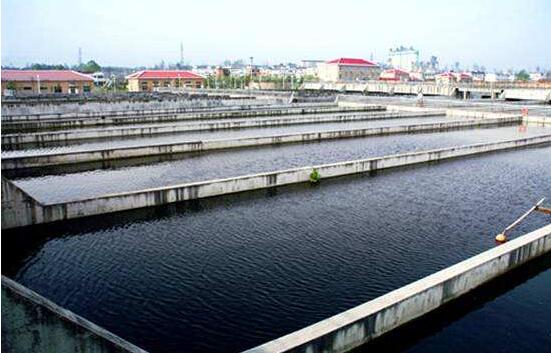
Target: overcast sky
{"points": [[497, 34]]}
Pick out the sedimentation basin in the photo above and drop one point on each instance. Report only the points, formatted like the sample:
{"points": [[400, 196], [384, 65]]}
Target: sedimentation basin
{"points": [[267, 262], [51, 188], [134, 141], [230, 273]]}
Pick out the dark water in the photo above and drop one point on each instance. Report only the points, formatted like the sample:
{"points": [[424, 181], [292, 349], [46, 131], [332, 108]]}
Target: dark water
{"points": [[226, 274], [517, 321], [508, 314], [215, 134], [223, 164]]}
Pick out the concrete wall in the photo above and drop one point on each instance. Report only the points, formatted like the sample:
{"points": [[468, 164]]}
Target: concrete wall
{"points": [[34, 324], [85, 106], [142, 117], [431, 89], [480, 114], [537, 120], [70, 135], [18, 207], [542, 95], [154, 112], [206, 145], [44, 213], [412, 88], [354, 327]]}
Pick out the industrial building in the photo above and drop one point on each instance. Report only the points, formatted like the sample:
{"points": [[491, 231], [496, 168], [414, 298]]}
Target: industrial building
{"points": [[348, 69], [45, 82], [149, 80]]}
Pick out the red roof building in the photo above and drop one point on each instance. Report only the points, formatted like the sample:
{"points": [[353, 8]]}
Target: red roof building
{"points": [[449, 77], [45, 81], [394, 75], [150, 80], [352, 62], [348, 69]]}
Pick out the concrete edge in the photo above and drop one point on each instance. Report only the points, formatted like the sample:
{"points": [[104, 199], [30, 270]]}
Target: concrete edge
{"points": [[157, 129], [95, 155], [138, 118], [122, 113], [116, 202], [68, 315], [546, 137], [302, 337]]}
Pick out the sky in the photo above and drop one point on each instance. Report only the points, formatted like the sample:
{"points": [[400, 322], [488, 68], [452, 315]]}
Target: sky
{"points": [[497, 34]]}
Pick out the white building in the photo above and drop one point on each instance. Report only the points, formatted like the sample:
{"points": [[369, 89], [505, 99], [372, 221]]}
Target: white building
{"points": [[495, 77], [99, 78], [404, 58], [536, 76]]}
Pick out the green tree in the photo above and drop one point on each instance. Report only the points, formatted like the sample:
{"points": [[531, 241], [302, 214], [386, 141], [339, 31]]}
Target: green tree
{"points": [[39, 66], [522, 75]]}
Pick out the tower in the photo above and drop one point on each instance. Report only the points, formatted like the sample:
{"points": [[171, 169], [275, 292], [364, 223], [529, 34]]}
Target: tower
{"points": [[181, 53], [79, 56]]}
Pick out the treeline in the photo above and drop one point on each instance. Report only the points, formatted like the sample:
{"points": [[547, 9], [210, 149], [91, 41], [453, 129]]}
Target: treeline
{"points": [[89, 67]]}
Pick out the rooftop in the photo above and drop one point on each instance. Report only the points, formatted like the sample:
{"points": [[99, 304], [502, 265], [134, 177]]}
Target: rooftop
{"points": [[44, 75], [163, 74], [352, 61]]}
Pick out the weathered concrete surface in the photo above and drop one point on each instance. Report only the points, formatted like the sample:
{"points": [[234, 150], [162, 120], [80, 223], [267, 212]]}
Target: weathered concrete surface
{"points": [[144, 117], [44, 213], [412, 88], [433, 89], [34, 324], [538, 120], [354, 327], [206, 145], [72, 135], [18, 207], [145, 112], [174, 102], [543, 95], [480, 114]]}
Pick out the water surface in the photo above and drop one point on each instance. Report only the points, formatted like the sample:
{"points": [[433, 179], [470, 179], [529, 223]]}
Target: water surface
{"points": [[229, 273]]}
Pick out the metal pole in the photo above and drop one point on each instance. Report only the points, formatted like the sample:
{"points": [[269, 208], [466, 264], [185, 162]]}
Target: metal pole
{"points": [[512, 225], [251, 75]]}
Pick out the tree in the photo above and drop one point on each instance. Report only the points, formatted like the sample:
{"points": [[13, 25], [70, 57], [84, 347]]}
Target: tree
{"points": [[40, 66], [434, 62], [522, 75], [90, 67]]}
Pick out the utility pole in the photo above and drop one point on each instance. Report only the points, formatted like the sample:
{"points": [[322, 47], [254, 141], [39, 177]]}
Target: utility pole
{"points": [[251, 75], [181, 53], [79, 56]]}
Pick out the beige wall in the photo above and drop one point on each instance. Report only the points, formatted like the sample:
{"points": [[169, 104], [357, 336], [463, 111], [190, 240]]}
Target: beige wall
{"points": [[136, 84], [335, 72], [328, 72], [31, 87]]}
